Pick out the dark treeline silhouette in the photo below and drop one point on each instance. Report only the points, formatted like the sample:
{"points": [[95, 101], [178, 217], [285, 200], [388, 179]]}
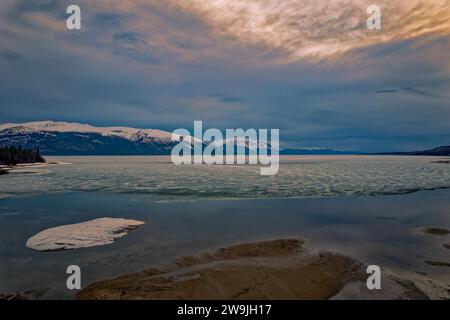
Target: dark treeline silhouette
{"points": [[10, 155]]}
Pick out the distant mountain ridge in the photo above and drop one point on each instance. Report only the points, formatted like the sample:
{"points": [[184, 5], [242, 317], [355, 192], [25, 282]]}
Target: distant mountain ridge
{"points": [[443, 151], [64, 138], [316, 151]]}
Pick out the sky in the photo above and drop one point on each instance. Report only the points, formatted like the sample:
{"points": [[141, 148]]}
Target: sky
{"points": [[310, 68]]}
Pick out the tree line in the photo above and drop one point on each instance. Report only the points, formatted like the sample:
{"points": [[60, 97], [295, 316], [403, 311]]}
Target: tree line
{"points": [[10, 155]]}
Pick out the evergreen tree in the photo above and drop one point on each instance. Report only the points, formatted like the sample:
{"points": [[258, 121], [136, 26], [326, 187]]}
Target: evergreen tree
{"points": [[11, 155]]}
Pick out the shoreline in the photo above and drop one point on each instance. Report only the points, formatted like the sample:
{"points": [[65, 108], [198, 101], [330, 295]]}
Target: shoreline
{"points": [[4, 169], [271, 269]]}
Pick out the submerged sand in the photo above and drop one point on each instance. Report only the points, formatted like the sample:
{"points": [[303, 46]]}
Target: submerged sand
{"points": [[277, 269], [435, 231]]}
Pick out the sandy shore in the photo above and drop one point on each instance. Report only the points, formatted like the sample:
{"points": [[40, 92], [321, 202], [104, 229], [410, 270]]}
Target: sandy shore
{"points": [[437, 232], [277, 269], [22, 167]]}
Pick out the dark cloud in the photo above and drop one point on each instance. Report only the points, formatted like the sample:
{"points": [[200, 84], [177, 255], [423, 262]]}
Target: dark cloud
{"points": [[130, 37], [227, 99], [55, 8], [23, 6], [135, 54], [108, 19], [386, 91], [10, 55], [421, 92], [410, 90]]}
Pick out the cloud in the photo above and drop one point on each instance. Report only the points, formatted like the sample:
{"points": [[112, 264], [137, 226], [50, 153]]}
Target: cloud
{"points": [[280, 31], [130, 36], [386, 91], [411, 90], [318, 29], [422, 93], [227, 99], [309, 68]]}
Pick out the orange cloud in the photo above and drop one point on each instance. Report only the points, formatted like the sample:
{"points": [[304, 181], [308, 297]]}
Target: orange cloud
{"points": [[320, 28]]}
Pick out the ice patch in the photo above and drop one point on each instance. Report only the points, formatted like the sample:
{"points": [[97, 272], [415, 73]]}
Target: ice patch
{"points": [[91, 233]]}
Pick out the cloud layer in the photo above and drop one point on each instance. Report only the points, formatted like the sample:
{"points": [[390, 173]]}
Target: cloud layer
{"points": [[312, 28], [309, 68]]}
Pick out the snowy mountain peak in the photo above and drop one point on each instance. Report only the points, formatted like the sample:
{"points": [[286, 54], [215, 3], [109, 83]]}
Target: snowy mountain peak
{"points": [[66, 138], [53, 126]]}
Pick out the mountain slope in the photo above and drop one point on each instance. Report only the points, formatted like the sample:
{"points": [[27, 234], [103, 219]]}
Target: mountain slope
{"points": [[62, 138]]}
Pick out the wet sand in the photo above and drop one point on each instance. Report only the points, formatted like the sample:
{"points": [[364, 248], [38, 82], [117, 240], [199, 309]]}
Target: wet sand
{"points": [[276, 269], [437, 232], [438, 263]]}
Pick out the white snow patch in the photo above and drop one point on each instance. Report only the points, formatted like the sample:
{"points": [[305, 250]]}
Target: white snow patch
{"points": [[97, 232]]}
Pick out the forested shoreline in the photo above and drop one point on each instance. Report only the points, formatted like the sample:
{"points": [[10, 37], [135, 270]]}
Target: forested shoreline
{"points": [[11, 155]]}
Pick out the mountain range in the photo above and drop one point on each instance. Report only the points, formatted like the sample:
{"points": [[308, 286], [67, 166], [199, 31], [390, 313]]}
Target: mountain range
{"points": [[316, 151], [443, 151], [64, 138]]}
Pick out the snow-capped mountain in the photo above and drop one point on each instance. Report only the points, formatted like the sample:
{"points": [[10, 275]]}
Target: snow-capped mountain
{"points": [[52, 126], [63, 138], [245, 143]]}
